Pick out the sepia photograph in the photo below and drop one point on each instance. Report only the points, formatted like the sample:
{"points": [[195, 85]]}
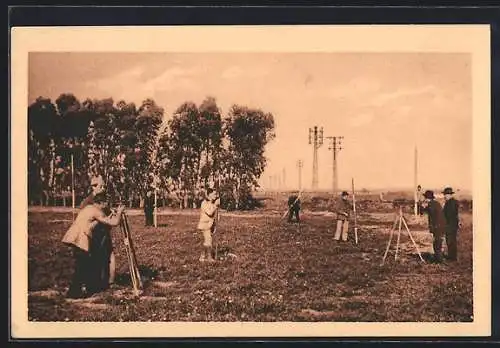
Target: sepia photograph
{"points": [[243, 181]]}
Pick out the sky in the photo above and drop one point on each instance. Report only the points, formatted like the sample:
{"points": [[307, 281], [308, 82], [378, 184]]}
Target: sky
{"points": [[383, 104]]}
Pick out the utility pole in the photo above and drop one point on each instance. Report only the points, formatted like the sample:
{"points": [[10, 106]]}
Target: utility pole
{"points": [[335, 146], [316, 139], [415, 182], [300, 164]]}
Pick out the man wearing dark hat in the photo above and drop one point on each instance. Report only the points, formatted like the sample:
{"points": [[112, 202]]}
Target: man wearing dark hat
{"points": [[149, 206], [450, 211], [294, 207], [437, 222], [343, 211]]}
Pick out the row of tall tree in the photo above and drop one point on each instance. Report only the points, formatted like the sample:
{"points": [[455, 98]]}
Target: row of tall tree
{"points": [[135, 150]]}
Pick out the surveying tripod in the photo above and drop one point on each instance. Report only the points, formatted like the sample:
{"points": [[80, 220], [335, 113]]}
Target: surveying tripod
{"points": [[132, 259], [400, 220]]}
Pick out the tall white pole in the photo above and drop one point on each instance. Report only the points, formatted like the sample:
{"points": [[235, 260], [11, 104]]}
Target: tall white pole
{"points": [[415, 183], [354, 211], [156, 208], [73, 187]]}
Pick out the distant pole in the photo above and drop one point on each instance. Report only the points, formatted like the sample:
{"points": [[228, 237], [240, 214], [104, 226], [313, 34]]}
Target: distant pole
{"points": [[72, 187], [415, 180], [354, 211], [335, 146], [156, 207], [300, 164], [316, 139]]}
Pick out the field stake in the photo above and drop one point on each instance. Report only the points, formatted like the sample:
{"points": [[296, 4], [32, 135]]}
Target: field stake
{"points": [[389, 243]]}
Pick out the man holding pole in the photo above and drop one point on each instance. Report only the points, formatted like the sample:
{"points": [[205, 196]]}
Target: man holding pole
{"points": [[343, 212], [207, 223], [294, 207]]}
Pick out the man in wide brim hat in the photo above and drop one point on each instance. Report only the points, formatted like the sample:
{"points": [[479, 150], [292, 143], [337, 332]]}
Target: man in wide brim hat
{"points": [[343, 212], [450, 211], [437, 222], [448, 191], [429, 194]]}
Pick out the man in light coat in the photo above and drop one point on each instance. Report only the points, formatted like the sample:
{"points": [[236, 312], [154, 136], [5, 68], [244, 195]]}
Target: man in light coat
{"points": [[207, 223], [79, 238]]}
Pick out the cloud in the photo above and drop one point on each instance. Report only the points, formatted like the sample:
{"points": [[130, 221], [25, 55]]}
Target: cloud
{"points": [[356, 88], [237, 72], [232, 72], [132, 85], [361, 119], [399, 94], [173, 78]]}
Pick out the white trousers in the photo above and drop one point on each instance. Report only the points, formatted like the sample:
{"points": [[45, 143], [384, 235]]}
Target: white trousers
{"points": [[342, 228]]}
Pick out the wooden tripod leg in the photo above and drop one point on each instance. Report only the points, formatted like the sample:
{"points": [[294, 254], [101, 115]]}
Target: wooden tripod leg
{"points": [[127, 248], [130, 255], [413, 241], [390, 240], [399, 237], [133, 256]]}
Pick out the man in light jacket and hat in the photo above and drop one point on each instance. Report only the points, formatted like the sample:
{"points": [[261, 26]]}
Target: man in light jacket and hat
{"points": [[343, 212], [208, 220], [450, 211], [79, 238], [437, 223]]}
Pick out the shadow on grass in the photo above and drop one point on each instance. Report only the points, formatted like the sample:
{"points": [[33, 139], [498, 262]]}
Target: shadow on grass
{"points": [[147, 274]]}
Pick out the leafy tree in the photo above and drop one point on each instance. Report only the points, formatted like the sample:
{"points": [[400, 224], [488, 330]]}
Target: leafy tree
{"points": [[183, 145], [43, 122], [210, 134], [248, 131]]}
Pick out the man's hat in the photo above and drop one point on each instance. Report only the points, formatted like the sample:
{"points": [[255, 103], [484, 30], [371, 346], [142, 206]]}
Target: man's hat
{"points": [[448, 191], [429, 194], [344, 193], [100, 198]]}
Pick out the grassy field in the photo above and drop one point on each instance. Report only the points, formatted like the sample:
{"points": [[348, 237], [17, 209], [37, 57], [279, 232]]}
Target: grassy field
{"points": [[269, 270]]}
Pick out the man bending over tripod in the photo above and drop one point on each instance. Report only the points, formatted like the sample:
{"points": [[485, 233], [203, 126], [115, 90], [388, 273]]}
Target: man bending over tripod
{"points": [[79, 238]]}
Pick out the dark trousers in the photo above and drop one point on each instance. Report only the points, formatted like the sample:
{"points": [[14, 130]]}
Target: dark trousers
{"points": [[451, 243], [293, 213], [100, 253], [80, 273], [437, 245], [149, 216]]}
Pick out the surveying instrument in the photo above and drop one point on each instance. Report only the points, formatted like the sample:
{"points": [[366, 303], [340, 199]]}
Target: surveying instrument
{"points": [[400, 220], [132, 259]]}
